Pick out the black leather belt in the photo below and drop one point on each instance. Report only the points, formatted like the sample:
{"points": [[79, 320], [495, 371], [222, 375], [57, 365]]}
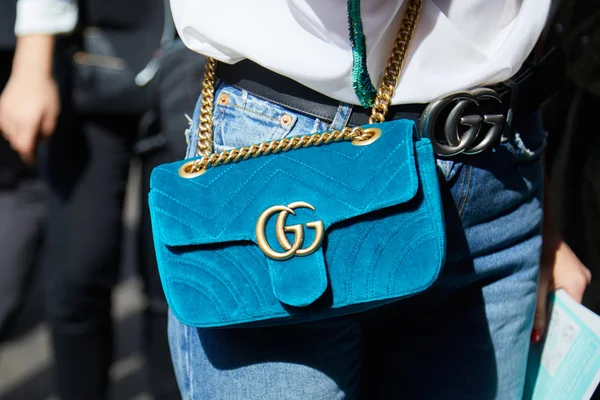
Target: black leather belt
{"points": [[454, 123]]}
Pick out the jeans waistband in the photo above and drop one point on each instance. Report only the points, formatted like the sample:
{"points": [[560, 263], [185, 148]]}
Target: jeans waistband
{"points": [[278, 89], [533, 84]]}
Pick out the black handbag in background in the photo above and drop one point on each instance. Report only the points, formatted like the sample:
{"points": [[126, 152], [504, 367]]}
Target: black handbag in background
{"points": [[103, 82], [113, 57]]}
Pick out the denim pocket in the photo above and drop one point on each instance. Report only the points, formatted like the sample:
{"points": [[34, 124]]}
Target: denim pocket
{"points": [[241, 119]]}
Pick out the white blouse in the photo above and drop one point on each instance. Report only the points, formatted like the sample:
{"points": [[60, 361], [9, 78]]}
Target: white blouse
{"points": [[458, 44], [43, 17]]}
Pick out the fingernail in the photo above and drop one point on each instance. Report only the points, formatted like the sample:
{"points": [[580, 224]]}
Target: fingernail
{"points": [[536, 335]]}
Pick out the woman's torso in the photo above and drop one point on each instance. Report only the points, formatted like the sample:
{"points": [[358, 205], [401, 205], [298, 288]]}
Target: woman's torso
{"points": [[457, 44]]}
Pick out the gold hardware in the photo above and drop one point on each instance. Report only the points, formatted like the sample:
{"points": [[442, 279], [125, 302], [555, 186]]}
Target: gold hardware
{"points": [[375, 134], [395, 63], [206, 110], [187, 171], [286, 120], [355, 135], [96, 60], [223, 99], [294, 249]]}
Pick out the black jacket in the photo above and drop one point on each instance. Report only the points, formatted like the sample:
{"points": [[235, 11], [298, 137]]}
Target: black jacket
{"points": [[8, 12], [133, 26]]}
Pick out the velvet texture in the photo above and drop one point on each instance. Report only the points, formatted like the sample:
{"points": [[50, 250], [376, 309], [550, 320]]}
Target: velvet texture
{"points": [[384, 234]]}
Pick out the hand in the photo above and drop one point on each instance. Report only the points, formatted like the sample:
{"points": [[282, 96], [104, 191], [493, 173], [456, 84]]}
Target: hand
{"points": [[559, 269], [29, 107]]}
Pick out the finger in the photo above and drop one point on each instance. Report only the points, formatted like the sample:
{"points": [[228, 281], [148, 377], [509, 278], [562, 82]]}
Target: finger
{"points": [[4, 124], [48, 123], [24, 143], [576, 283], [588, 275], [541, 314], [1, 120], [8, 129]]}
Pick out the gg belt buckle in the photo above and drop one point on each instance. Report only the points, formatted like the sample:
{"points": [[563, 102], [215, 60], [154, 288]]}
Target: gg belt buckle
{"points": [[464, 134]]}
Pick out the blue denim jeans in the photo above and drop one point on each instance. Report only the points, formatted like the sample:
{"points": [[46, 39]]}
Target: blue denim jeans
{"points": [[465, 338]]}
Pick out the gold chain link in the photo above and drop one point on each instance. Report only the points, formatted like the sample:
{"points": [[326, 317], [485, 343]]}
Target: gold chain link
{"points": [[395, 63], [205, 134], [357, 134]]}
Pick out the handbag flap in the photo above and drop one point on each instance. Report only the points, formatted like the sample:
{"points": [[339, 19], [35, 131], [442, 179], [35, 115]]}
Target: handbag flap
{"points": [[325, 184], [340, 180]]}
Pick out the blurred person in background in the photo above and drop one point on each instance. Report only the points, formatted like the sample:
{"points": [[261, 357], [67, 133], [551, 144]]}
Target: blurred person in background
{"points": [[21, 197], [574, 136], [98, 44], [574, 143]]}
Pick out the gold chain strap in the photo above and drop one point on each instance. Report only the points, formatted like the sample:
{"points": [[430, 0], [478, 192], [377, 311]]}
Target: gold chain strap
{"points": [[205, 134], [392, 71], [357, 135]]}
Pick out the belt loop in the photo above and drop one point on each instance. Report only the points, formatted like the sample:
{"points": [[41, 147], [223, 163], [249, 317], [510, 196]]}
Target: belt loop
{"points": [[342, 116]]}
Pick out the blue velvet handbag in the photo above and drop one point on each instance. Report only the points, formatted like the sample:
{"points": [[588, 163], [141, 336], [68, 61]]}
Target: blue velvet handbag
{"points": [[297, 229]]}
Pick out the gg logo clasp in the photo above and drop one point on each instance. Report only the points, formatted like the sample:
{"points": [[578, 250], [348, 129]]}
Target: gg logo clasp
{"points": [[281, 229]]}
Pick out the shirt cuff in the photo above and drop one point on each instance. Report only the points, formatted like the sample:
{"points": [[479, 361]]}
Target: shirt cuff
{"points": [[49, 17]]}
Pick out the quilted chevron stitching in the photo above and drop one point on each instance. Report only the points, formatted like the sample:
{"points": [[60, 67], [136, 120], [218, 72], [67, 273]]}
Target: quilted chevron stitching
{"points": [[225, 168], [173, 199], [260, 262], [242, 209], [239, 266], [225, 203], [217, 304], [416, 218], [352, 259], [438, 222], [176, 218], [266, 181], [207, 269], [356, 155], [415, 242], [430, 187], [282, 314], [274, 314], [337, 180], [334, 246], [168, 214], [335, 195], [250, 199], [392, 177], [384, 187], [234, 194], [319, 189]]}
